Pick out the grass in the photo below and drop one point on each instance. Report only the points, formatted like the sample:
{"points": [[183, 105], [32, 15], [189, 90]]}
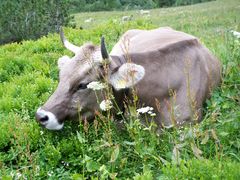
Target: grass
{"points": [[29, 74]]}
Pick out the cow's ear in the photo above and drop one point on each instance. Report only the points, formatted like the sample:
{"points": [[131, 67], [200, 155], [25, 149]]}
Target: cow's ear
{"points": [[63, 60], [127, 76]]}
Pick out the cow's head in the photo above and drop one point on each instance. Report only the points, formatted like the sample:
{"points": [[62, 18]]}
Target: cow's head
{"points": [[72, 99]]}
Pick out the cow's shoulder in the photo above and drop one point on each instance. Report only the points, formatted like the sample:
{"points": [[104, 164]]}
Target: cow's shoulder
{"points": [[131, 33]]}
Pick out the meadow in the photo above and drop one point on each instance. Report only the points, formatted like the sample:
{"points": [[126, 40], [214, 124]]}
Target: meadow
{"points": [[98, 150]]}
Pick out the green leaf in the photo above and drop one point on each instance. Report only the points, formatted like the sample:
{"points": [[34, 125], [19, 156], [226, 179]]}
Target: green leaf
{"points": [[129, 143], [223, 134], [92, 166], [206, 138], [176, 155], [77, 177], [196, 151], [113, 175], [6, 177], [115, 154], [80, 138]]}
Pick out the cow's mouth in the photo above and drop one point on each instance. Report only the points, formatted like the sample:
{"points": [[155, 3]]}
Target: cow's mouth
{"points": [[51, 125]]}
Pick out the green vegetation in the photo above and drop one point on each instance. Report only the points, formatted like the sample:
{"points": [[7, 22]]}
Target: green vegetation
{"points": [[24, 20], [100, 5], [29, 74], [21, 20]]}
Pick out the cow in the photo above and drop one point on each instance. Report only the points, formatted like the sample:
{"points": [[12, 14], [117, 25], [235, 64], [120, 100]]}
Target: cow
{"points": [[89, 20], [145, 12], [169, 71], [127, 18]]}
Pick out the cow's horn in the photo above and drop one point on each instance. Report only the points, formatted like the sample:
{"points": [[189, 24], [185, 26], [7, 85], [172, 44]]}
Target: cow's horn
{"points": [[67, 44], [103, 49]]}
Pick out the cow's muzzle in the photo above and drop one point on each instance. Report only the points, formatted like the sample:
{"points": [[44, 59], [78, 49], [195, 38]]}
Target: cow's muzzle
{"points": [[48, 120]]}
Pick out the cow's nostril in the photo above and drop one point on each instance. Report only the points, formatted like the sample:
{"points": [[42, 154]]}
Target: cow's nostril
{"points": [[44, 118]]}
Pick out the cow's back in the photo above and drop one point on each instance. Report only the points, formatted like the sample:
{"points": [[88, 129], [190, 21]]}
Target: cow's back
{"points": [[144, 41]]}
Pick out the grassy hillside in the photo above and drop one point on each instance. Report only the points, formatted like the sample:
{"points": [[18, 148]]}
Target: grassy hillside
{"points": [[29, 75]]}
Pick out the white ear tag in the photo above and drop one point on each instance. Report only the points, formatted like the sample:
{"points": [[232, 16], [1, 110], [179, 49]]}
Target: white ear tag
{"points": [[63, 60], [128, 75]]}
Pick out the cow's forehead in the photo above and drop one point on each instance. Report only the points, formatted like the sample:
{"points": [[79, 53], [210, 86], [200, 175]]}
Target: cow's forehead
{"points": [[83, 63], [76, 69]]}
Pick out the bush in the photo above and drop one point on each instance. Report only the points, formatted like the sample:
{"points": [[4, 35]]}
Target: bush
{"points": [[106, 5], [139, 4], [77, 5], [21, 20], [165, 3]]}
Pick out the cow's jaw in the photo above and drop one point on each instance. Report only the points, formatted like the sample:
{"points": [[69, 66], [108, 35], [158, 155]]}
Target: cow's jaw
{"points": [[49, 120]]}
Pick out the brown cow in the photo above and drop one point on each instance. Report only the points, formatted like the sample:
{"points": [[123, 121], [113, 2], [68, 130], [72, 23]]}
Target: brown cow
{"points": [[171, 71]]}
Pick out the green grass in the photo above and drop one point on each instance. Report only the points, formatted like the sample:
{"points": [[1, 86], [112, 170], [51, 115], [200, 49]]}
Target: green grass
{"points": [[29, 74]]}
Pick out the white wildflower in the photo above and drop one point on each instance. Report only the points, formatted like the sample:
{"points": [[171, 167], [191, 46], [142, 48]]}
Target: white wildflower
{"points": [[153, 114], [105, 105], [168, 127], [95, 85], [41, 133], [148, 110], [18, 175], [144, 110], [65, 163], [236, 34], [50, 173]]}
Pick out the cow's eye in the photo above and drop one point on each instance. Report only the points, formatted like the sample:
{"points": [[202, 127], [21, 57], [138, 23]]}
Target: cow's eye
{"points": [[82, 86]]}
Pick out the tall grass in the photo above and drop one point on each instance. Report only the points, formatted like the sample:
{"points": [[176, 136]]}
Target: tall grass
{"points": [[209, 150]]}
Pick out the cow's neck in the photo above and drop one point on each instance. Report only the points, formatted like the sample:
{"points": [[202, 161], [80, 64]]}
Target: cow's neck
{"points": [[121, 98], [116, 62]]}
